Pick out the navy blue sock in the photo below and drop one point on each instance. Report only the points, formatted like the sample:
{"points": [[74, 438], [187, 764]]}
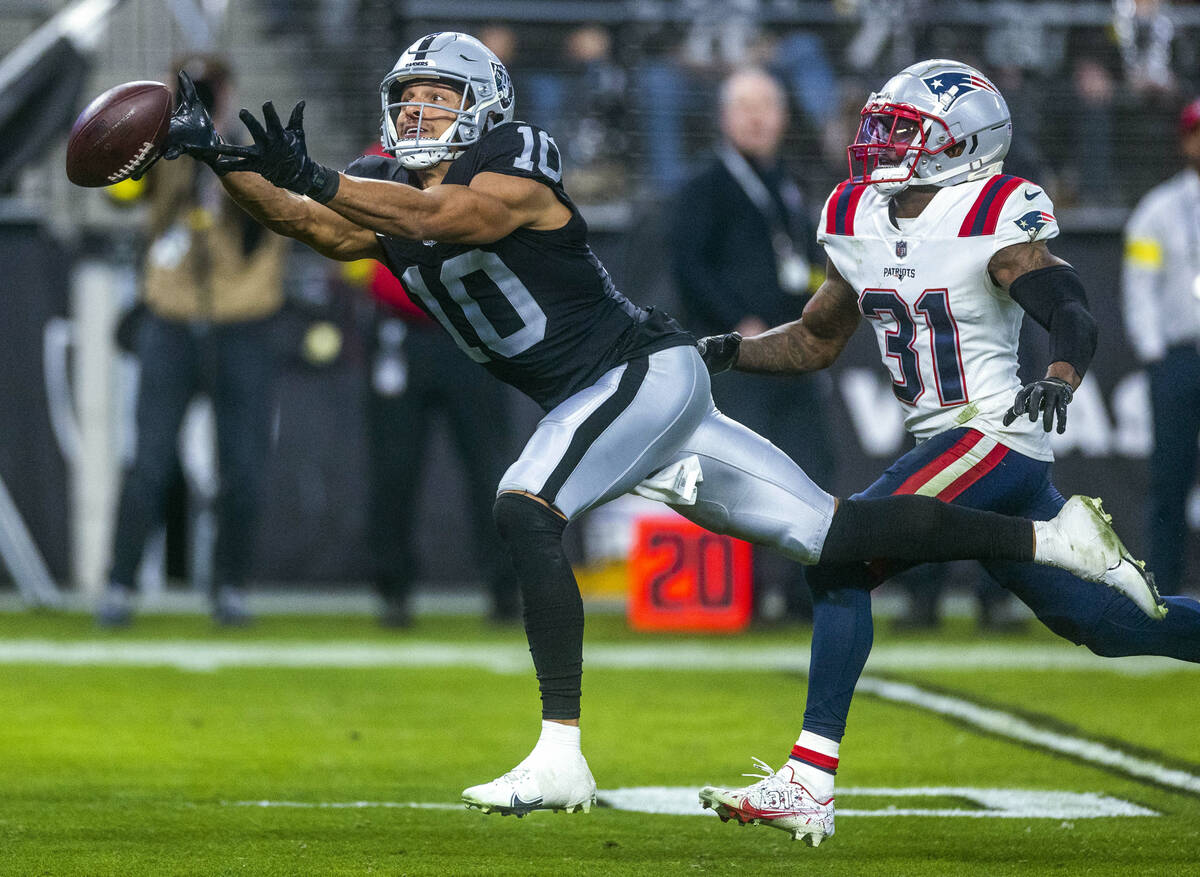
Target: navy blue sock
{"points": [[842, 635]]}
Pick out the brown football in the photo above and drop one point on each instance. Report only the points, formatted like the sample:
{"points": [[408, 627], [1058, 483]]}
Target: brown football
{"points": [[119, 133]]}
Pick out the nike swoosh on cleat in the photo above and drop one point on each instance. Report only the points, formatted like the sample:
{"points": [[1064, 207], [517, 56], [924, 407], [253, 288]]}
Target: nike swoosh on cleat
{"points": [[1029, 196], [517, 802]]}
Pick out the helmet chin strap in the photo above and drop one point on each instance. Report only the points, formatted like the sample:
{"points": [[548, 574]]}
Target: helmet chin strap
{"points": [[436, 152], [419, 161], [890, 181]]}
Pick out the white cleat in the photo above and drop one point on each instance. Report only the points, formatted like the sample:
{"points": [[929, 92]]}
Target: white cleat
{"points": [[777, 800], [1098, 555], [537, 783]]}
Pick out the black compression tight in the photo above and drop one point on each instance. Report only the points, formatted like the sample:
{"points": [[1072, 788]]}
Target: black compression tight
{"points": [[922, 529], [532, 535]]}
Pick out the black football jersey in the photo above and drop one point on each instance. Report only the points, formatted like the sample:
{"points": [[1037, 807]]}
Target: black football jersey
{"points": [[536, 308]]}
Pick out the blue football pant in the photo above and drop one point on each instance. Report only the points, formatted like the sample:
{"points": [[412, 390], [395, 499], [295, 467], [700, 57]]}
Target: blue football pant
{"points": [[964, 467]]}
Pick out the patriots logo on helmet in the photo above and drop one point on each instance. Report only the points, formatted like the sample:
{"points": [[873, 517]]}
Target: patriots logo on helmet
{"points": [[1033, 221], [949, 87]]}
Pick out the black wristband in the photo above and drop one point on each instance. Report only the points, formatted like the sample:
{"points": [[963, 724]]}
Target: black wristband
{"points": [[325, 183]]}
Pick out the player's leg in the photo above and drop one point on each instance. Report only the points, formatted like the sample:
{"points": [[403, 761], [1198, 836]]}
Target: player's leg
{"points": [[752, 490], [168, 378], [596, 445], [1088, 614]]}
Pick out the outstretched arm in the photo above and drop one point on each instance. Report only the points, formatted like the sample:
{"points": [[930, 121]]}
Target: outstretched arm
{"points": [[192, 133], [491, 207], [295, 216], [812, 342]]}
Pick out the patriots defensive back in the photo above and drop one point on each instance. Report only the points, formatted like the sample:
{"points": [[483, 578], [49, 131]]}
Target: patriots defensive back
{"points": [[944, 255]]}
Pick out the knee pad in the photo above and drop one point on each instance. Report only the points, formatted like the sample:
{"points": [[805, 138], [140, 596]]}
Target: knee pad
{"points": [[517, 515]]}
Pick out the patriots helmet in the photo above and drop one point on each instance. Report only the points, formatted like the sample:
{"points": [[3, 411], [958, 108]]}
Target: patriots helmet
{"points": [[935, 123], [466, 65]]}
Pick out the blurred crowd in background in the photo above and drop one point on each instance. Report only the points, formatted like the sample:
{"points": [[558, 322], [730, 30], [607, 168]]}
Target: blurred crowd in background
{"points": [[630, 89], [1094, 87]]}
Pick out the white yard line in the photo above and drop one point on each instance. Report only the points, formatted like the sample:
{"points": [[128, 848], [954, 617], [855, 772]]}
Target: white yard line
{"points": [[683, 801], [1014, 727], [205, 655]]}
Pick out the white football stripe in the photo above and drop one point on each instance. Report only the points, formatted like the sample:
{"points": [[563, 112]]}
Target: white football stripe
{"points": [[1015, 728], [683, 801], [206, 655]]}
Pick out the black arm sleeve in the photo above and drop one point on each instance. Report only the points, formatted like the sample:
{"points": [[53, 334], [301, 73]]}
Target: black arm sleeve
{"points": [[1056, 300]]}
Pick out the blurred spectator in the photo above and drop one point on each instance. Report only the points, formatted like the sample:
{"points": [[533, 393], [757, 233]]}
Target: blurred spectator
{"points": [[213, 286], [1144, 33], [583, 104], [746, 258], [1095, 129], [416, 374], [1162, 321], [1082, 133], [502, 40], [675, 85]]}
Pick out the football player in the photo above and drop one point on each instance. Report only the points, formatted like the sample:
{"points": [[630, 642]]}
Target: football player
{"points": [[470, 212], [944, 255]]}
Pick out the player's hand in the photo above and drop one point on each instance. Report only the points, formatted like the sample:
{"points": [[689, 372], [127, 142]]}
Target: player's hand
{"points": [[192, 133], [281, 157], [719, 352], [1049, 396]]}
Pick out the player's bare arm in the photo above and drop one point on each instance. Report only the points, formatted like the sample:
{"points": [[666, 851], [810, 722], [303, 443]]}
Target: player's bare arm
{"points": [[491, 207], [815, 340], [811, 343], [303, 219]]}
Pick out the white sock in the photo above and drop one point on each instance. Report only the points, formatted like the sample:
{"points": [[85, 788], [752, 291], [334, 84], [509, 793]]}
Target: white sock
{"points": [[557, 738], [814, 747]]}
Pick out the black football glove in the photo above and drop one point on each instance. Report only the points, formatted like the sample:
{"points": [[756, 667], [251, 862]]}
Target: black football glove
{"points": [[719, 352], [280, 156], [1049, 396], [192, 132]]}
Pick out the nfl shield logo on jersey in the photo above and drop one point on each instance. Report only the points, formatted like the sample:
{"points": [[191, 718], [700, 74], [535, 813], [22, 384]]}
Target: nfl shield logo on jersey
{"points": [[901, 249]]}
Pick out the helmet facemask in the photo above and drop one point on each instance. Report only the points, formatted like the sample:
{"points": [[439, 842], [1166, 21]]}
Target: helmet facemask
{"points": [[417, 152], [891, 140]]}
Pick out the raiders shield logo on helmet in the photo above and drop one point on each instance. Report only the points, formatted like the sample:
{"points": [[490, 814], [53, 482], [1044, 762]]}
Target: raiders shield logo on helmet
{"points": [[503, 85]]}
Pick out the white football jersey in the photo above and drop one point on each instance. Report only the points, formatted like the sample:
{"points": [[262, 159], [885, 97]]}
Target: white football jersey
{"points": [[947, 333]]}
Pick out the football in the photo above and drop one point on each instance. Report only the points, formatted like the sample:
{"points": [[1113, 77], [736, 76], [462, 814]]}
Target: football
{"points": [[119, 133]]}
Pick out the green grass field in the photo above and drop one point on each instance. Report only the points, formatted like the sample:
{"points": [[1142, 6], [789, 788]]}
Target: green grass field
{"points": [[152, 751]]}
